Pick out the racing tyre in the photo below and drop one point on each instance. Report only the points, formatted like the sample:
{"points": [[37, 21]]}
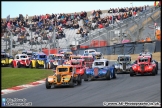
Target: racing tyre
{"points": [[30, 65], [45, 65], [82, 76], [71, 83], [12, 65], [157, 66], [131, 72], [51, 65], [114, 73], [154, 72], [85, 77], [37, 65], [48, 86], [79, 80], [108, 75], [18, 64]]}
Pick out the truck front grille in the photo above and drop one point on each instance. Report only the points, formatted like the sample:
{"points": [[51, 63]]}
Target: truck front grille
{"points": [[124, 66], [142, 67], [58, 78]]}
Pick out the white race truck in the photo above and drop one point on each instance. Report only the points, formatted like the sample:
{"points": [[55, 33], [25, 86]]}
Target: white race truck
{"points": [[94, 53]]}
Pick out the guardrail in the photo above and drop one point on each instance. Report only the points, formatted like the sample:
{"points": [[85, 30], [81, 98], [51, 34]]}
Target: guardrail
{"points": [[127, 48]]}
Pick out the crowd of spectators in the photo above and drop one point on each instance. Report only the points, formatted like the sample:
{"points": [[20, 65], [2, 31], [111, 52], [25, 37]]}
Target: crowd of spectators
{"points": [[42, 25], [114, 15]]}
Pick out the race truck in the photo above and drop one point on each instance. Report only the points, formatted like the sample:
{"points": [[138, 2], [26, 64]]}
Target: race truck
{"points": [[54, 60], [143, 66], [20, 60], [100, 70], [66, 52], [6, 59], [88, 61], [38, 60], [64, 75], [149, 54], [92, 52], [29, 53], [79, 65], [123, 63]]}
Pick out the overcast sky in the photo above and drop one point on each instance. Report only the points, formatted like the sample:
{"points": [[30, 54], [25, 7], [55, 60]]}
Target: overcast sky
{"points": [[38, 8]]}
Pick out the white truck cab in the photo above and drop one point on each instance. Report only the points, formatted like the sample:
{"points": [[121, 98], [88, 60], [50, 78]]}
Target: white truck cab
{"points": [[89, 51]]}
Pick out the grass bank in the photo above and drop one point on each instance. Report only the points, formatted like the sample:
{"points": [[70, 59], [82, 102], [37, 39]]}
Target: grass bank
{"points": [[13, 77]]}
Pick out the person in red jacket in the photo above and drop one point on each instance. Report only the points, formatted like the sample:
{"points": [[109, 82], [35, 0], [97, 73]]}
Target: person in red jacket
{"points": [[100, 26]]}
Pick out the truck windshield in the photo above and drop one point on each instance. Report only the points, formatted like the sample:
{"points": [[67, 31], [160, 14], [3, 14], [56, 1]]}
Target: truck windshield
{"points": [[123, 58], [75, 63], [99, 63], [42, 56], [91, 51], [143, 59], [76, 57], [62, 69], [23, 56]]}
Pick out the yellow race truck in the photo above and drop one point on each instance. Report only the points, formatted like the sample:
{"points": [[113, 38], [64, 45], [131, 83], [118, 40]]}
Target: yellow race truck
{"points": [[6, 59], [38, 60], [64, 75]]}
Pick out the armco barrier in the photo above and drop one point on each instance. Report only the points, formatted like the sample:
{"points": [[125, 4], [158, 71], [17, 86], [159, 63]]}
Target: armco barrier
{"points": [[138, 47], [157, 46], [150, 47], [126, 48], [129, 48], [118, 49]]}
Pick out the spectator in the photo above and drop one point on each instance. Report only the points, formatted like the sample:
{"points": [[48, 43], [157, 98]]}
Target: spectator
{"points": [[100, 26]]}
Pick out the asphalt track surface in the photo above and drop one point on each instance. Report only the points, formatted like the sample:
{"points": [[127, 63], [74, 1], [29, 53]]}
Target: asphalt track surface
{"points": [[94, 93]]}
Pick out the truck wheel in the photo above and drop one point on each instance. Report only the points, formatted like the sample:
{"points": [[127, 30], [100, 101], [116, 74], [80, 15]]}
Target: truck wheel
{"points": [[48, 86], [85, 77], [157, 66], [114, 73], [51, 65], [154, 72], [18, 64], [82, 76], [30, 65], [108, 75], [12, 64], [45, 65], [131, 72], [37, 65], [79, 80], [71, 83]]}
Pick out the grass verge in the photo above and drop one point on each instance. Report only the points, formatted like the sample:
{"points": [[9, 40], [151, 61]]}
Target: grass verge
{"points": [[18, 76]]}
